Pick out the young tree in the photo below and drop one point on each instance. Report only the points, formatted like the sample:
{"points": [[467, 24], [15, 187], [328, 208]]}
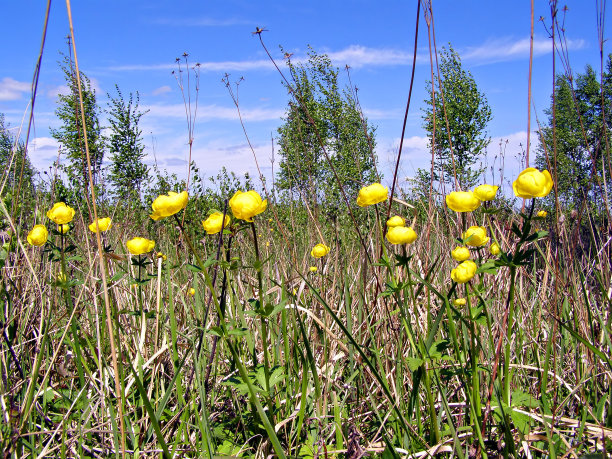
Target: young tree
{"points": [[320, 118], [459, 146], [127, 170], [580, 136], [70, 135], [14, 164]]}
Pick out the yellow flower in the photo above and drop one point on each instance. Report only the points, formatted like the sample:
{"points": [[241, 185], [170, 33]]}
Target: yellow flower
{"points": [[485, 192], [372, 194], [191, 291], [246, 205], [460, 302], [104, 224], [475, 236], [140, 245], [166, 205], [462, 201], [495, 249], [162, 256], [38, 235], [61, 214], [464, 272], [401, 235], [542, 213], [63, 229], [213, 223], [313, 269], [531, 183], [396, 221], [460, 253], [319, 251]]}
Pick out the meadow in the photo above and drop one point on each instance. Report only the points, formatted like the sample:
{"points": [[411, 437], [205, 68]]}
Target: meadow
{"points": [[243, 322]]}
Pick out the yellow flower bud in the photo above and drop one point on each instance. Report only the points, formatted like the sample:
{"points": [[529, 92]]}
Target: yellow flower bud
{"points": [[319, 251], [63, 229], [169, 204], [475, 236], [460, 253], [38, 236], [396, 221], [372, 194], [246, 205], [542, 213], [313, 269], [494, 249], [104, 224], [61, 214], [485, 192], [531, 183], [191, 291], [140, 245], [215, 221], [162, 256], [401, 235], [464, 272], [460, 302], [462, 201]]}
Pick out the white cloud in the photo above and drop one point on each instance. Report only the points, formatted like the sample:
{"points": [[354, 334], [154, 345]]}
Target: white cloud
{"points": [[215, 112], [161, 90], [11, 89], [357, 56], [63, 89], [200, 22], [505, 49]]}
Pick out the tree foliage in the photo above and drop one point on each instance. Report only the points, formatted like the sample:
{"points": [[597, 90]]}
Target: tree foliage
{"points": [[583, 117], [321, 118], [460, 146], [70, 134], [127, 172]]}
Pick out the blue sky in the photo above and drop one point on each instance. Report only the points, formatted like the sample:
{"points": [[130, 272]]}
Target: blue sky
{"points": [[135, 43]]}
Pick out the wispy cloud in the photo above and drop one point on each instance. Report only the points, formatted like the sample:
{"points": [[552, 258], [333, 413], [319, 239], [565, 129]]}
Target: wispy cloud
{"points": [[505, 49], [357, 56], [215, 112], [200, 22], [12, 89], [161, 90]]}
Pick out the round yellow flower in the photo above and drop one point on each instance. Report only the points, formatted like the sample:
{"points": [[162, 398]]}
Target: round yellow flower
{"points": [[460, 302], [401, 235], [319, 251], [246, 205], [215, 221], [542, 213], [486, 192], [531, 183], [372, 194], [63, 229], [104, 224], [460, 253], [191, 291], [464, 272], [396, 221], [495, 249], [169, 204], [61, 214], [38, 236], [313, 269], [462, 201], [140, 245], [475, 236]]}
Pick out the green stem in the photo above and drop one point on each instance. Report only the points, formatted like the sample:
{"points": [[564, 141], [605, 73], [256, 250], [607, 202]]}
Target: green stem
{"points": [[264, 325]]}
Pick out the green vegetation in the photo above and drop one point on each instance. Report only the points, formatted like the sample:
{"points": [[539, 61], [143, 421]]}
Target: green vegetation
{"points": [[161, 339]]}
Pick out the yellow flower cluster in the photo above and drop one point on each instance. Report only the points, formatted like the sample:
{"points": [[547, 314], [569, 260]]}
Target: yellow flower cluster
{"points": [[398, 233]]}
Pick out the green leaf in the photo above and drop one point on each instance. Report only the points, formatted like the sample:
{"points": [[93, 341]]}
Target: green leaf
{"points": [[415, 363]]}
